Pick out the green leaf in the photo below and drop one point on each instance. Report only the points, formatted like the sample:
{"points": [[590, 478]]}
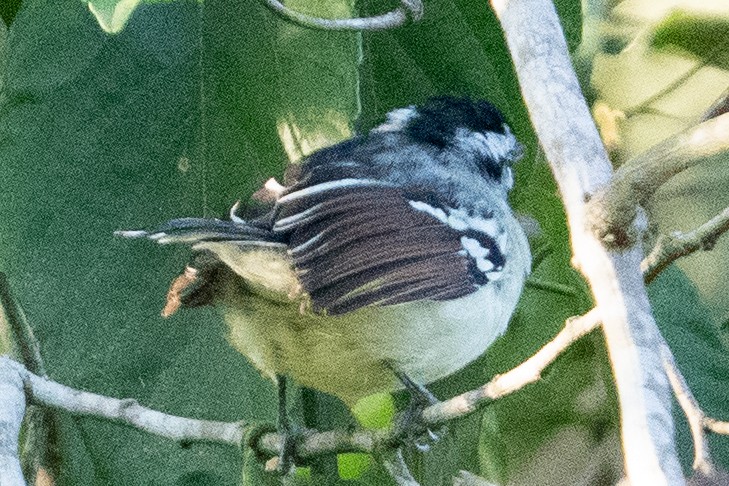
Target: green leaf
{"points": [[177, 115], [113, 15], [705, 36], [8, 10]]}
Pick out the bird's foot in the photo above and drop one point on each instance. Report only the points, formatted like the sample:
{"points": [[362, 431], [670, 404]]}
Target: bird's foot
{"points": [[410, 427], [290, 434], [285, 463]]}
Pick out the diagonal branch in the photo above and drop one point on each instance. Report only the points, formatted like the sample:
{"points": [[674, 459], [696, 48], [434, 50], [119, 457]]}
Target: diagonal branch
{"points": [[613, 209], [571, 143], [42, 391], [670, 248], [15, 380], [692, 410]]}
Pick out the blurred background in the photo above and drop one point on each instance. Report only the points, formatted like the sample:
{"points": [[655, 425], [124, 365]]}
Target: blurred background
{"points": [[121, 114]]}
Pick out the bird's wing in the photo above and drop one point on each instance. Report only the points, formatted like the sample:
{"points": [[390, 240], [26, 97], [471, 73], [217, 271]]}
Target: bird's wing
{"points": [[358, 242]]}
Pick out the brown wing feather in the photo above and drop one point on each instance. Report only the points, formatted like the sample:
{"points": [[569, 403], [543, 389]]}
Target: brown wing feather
{"points": [[367, 245]]}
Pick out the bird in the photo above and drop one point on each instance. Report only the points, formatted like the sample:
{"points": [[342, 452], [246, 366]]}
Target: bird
{"points": [[386, 261]]}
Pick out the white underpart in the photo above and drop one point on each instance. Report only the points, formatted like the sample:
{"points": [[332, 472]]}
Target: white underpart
{"points": [[397, 120], [349, 355]]}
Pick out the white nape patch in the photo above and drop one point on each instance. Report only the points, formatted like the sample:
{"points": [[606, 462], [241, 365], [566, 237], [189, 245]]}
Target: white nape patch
{"points": [[397, 120], [329, 186], [491, 144]]}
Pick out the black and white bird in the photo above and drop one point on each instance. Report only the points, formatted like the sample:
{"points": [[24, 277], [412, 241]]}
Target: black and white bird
{"points": [[393, 256]]}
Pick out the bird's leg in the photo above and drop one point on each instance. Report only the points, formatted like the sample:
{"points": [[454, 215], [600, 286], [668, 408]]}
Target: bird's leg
{"points": [[410, 422], [288, 445]]}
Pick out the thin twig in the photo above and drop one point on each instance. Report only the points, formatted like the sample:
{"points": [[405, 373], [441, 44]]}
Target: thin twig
{"points": [[42, 391], [612, 210], [525, 373], [40, 456], [670, 248], [716, 426], [21, 329], [692, 410], [408, 9]]}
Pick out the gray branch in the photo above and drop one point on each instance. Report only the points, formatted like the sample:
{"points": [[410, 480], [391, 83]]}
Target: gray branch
{"points": [[613, 209], [12, 410], [669, 248], [581, 167], [692, 410], [16, 381]]}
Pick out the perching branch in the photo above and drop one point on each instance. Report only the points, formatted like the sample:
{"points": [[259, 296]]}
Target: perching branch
{"points": [[581, 167], [412, 9], [613, 209], [12, 410], [716, 426], [42, 391], [669, 248]]}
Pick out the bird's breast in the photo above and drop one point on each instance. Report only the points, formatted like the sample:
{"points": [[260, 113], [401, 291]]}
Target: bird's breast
{"points": [[350, 355]]}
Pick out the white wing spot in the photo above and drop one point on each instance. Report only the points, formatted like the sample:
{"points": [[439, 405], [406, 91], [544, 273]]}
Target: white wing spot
{"points": [[474, 248], [459, 220], [437, 213]]}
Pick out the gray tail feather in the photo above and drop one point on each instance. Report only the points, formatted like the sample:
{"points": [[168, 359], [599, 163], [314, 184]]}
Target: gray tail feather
{"points": [[196, 230]]}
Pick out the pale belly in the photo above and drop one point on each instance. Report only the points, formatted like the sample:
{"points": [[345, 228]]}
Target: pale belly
{"points": [[351, 356]]}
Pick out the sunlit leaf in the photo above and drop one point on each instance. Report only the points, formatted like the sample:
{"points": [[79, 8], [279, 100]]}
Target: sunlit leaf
{"points": [[112, 15]]}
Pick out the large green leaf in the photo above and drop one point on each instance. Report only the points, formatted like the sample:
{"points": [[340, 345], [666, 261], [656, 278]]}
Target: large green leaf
{"points": [[179, 114]]}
